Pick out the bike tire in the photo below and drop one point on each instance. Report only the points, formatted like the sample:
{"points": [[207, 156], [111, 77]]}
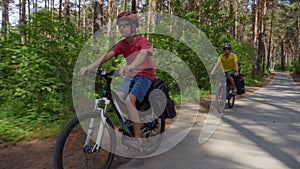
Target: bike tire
{"points": [[153, 140], [231, 101], [69, 152], [221, 98]]}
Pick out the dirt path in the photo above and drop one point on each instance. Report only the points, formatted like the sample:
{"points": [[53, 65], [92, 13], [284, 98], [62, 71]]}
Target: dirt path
{"points": [[37, 154]]}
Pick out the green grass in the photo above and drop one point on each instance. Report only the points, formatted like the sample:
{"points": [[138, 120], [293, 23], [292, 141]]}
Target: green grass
{"points": [[15, 129]]}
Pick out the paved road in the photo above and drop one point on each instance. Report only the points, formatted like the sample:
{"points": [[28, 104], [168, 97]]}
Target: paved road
{"points": [[262, 131]]}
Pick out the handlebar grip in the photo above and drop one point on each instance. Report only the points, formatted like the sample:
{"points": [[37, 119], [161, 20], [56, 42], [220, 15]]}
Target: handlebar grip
{"points": [[89, 73]]}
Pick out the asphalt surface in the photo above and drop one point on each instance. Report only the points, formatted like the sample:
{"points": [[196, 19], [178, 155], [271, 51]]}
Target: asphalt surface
{"points": [[262, 131]]}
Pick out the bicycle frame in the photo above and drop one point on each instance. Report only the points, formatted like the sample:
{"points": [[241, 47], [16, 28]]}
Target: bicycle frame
{"points": [[108, 96]]}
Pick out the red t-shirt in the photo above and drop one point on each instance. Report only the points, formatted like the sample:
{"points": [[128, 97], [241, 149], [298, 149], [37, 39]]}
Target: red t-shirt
{"points": [[130, 52]]}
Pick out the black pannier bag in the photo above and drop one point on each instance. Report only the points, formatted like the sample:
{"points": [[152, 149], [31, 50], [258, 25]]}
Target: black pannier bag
{"points": [[159, 97], [240, 84]]}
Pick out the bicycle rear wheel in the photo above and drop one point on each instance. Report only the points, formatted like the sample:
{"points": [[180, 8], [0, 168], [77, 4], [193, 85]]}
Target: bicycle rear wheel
{"points": [[153, 135], [71, 152]]}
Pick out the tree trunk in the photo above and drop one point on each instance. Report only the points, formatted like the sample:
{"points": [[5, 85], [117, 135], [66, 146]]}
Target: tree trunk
{"points": [[270, 46], [151, 19], [79, 15], [75, 13], [29, 10], [67, 11], [52, 10], [84, 19], [60, 9], [22, 21], [263, 52], [109, 16], [29, 17], [243, 24], [282, 55], [199, 11], [133, 6], [125, 5], [98, 14], [255, 22], [255, 16], [5, 19], [235, 10]]}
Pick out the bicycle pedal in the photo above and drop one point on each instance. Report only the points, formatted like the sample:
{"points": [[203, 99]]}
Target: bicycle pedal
{"points": [[121, 129]]}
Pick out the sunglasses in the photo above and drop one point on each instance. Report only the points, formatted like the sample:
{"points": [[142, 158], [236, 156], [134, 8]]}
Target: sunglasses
{"points": [[226, 48], [122, 26]]}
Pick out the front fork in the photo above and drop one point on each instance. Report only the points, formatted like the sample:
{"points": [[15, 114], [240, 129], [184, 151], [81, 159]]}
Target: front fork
{"points": [[102, 123]]}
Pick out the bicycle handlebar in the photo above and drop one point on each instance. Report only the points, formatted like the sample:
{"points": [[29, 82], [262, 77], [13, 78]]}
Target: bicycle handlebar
{"points": [[104, 73], [101, 72]]}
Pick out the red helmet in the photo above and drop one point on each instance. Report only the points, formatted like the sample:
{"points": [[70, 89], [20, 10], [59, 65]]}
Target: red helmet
{"points": [[129, 16]]}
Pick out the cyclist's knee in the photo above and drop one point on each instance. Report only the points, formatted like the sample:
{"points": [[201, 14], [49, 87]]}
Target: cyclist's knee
{"points": [[121, 94], [130, 101]]}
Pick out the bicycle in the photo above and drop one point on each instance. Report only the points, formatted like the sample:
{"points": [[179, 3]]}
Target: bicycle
{"points": [[95, 147], [221, 98]]}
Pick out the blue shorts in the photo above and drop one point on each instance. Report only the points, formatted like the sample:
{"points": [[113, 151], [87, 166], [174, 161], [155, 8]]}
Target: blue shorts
{"points": [[229, 74], [136, 85]]}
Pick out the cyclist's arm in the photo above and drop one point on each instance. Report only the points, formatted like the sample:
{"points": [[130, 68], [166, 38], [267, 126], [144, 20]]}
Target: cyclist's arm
{"points": [[215, 67], [236, 67], [139, 58], [98, 62], [102, 60], [137, 61]]}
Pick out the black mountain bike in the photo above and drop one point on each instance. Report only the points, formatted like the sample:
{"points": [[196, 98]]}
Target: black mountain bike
{"points": [[224, 93], [89, 139]]}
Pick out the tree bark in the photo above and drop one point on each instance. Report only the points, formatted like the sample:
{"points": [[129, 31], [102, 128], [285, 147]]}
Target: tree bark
{"points": [[282, 54], [84, 19], [109, 15], [255, 16], [263, 52], [52, 10], [98, 14], [23, 21], [270, 46], [60, 9], [5, 19], [79, 15], [255, 22], [67, 10], [133, 6], [243, 23], [125, 5], [235, 10]]}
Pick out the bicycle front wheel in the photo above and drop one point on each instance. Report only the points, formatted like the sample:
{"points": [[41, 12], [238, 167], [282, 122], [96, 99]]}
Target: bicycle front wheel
{"points": [[71, 150], [231, 100], [221, 98]]}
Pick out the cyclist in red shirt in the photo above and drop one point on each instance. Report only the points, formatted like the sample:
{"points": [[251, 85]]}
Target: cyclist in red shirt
{"points": [[138, 54]]}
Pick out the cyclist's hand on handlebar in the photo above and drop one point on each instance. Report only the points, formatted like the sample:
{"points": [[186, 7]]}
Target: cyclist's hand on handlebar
{"points": [[125, 70], [236, 74], [83, 70]]}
